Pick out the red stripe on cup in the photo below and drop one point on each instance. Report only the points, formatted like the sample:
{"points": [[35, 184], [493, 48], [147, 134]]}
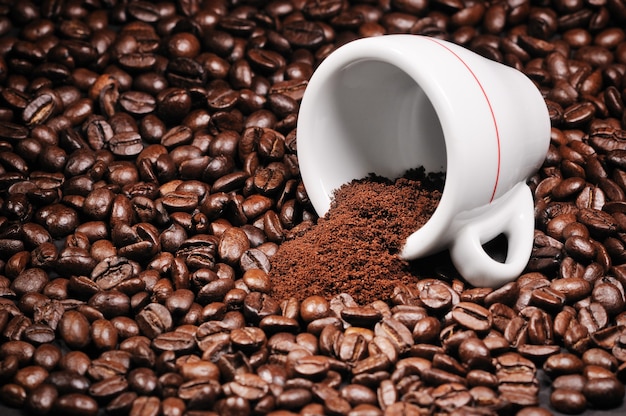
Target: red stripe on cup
{"points": [[493, 116]]}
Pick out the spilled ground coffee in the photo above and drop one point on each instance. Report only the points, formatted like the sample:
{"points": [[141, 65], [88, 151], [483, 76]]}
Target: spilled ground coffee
{"points": [[355, 248]]}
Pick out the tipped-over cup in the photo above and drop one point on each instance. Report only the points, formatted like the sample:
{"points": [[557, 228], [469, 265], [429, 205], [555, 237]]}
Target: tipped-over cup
{"points": [[388, 104]]}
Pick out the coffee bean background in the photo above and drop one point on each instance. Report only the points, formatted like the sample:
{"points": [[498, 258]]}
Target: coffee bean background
{"points": [[148, 173]]}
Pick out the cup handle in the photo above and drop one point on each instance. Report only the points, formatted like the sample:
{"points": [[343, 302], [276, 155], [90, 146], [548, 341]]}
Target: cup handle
{"points": [[513, 216]]}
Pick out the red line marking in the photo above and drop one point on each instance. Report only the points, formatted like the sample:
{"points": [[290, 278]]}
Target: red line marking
{"points": [[493, 116]]}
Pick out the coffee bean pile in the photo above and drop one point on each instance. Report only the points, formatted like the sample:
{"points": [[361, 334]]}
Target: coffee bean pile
{"points": [[148, 173]]}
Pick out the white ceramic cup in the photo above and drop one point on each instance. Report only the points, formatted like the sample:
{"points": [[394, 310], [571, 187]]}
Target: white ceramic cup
{"points": [[391, 103]]}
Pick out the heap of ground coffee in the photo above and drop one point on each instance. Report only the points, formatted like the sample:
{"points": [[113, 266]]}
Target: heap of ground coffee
{"points": [[355, 248]]}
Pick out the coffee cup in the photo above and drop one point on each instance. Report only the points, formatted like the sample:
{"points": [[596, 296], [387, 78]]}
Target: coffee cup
{"points": [[388, 104]]}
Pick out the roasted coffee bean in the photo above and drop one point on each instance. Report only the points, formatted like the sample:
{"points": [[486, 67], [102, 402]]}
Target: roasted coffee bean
{"points": [[472, 316], [39, 334], [47, 356], [154, 319], [126, 144], [568, 401], [303, 34], [609, 296], [574, 382], [600, 357], [66, 381], [41, 108], [76, 403], [572, 288], [13, 394], [604, 392], [474, 353], [398, 334], [436, 296], [122, 403], [137, 103], [58, 219], [41, 399], [564, 363], [74, 329]]}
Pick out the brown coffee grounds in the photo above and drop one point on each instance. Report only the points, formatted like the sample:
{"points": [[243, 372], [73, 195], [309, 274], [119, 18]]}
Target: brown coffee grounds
{"points": [[355, 248]]}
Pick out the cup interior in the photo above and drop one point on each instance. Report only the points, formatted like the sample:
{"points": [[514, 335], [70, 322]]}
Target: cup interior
{"points": [[372, 117]]}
